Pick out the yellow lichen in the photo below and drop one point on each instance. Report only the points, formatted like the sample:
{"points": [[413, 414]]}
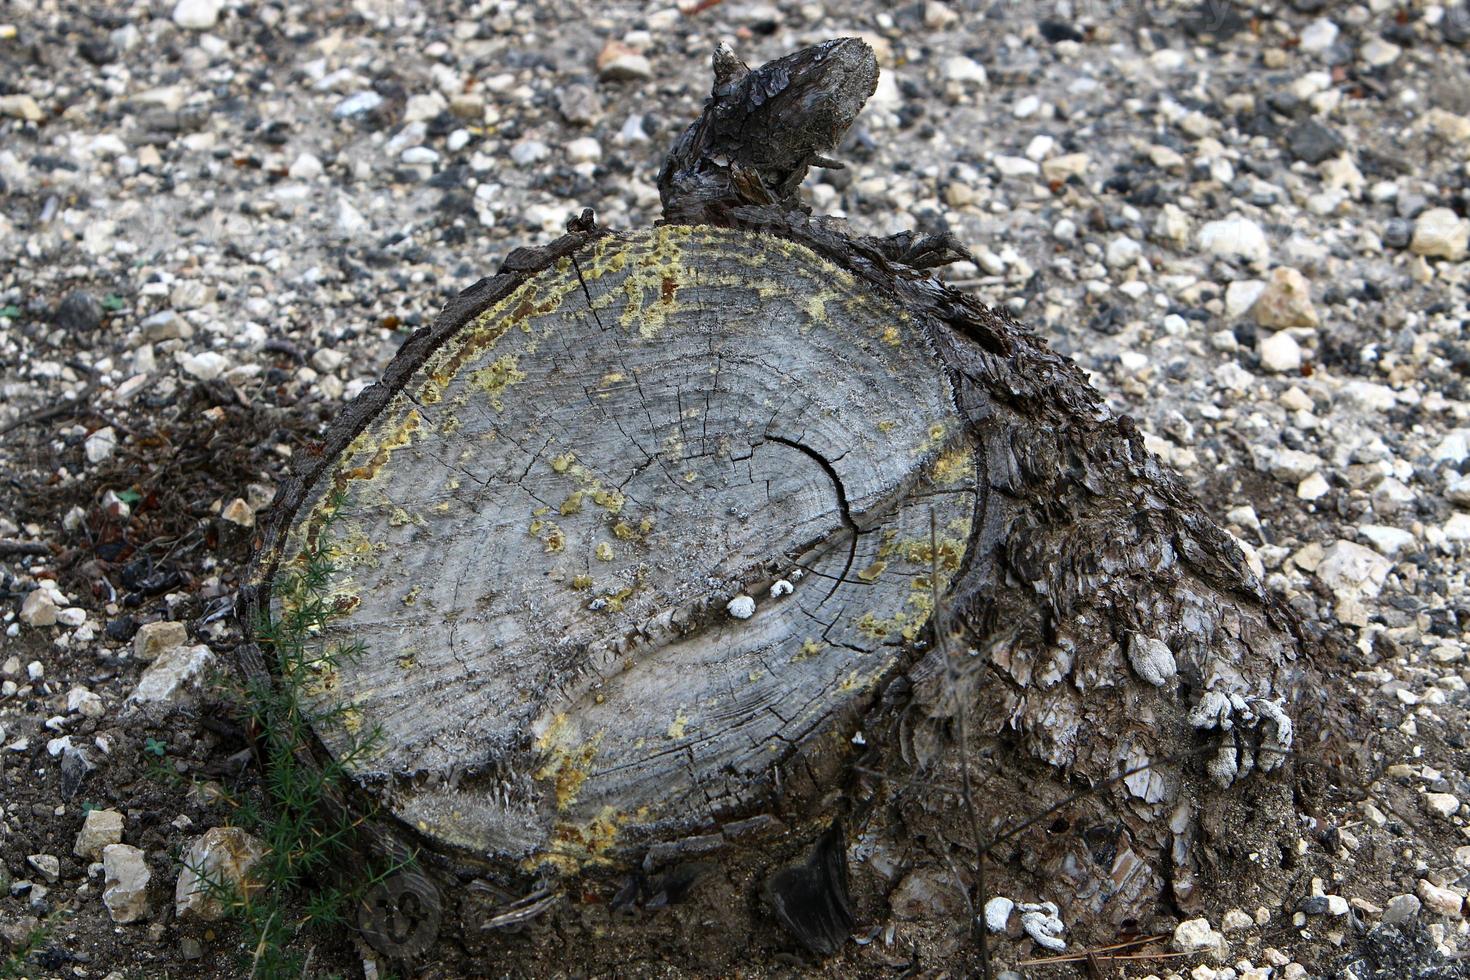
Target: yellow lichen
{"points": [[493, 380], [572, 504], [679, 725], [954, 465], [603, 551], [871, 573], [581, 582], [568, 764], [611, 500], [873, 627]]}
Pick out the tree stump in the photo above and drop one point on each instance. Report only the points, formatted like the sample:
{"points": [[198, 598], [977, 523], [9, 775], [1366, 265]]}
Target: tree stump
{"points": [[727, 551]]}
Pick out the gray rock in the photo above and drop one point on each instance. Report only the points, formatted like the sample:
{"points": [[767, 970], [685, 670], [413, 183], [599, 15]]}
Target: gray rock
{"points": [[357, 104], [48, 864], [220, 857], [1454, 26], [173, 676], [78, 312], [1401, 908], [99, 829], [125, 882], [579, 105], [153, 640], [1313, 142], [527, 152], [1397, 233]]}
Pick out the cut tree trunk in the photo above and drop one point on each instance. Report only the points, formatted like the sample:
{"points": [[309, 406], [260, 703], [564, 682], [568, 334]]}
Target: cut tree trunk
{"points": [[698, 571]]}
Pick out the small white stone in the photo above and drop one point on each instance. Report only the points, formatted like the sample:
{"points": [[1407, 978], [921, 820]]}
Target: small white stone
{"points": [[1440, 233], [1010, 166], [307, 166], [1281, 354], [1236, 920], [527, 152], [357, 104], [1132, 361], [1442, 804], [48, 864], [1313, 487], [741, 607], [424, 106], [1353, 571], [197, 15], [350, 221], [125, 887], [1241, 295], [1318, 36], [1194, 936], [1457, 528], [1164, 157], [1440, 901], [1123, 252], [1066, 165], [39, 609], [99, 829], [100, 444], [1026, 107], [965, 70], [82, 701], [1400, 909], [584, 150], [998, 913], [1387, 540], [206, 365], [632, 131], [155, 639], [1286, 301], [420, 155], [238, 512], [1379, 53], [1235, 238], [172, 675], [1040, 147], [223, 857]]}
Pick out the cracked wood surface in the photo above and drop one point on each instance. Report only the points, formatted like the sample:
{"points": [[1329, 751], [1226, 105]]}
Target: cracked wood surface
{"points": [[540, 534]]}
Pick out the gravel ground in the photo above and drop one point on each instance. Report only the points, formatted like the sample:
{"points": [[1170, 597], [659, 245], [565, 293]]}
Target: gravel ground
{"points": [[218, 220]]}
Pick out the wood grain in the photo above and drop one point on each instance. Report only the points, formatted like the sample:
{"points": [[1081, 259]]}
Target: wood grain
{"points": [[541, 533]]}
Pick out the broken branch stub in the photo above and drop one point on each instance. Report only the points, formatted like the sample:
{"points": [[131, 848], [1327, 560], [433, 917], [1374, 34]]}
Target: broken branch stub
{"points": [[638, 538]]}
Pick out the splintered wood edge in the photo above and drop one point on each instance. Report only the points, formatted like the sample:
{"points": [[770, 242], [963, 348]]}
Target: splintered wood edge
{"points": [[592, 837]]}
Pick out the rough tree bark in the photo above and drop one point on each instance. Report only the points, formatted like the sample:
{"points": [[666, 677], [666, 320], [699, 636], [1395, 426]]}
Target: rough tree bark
{"points": [[642, 542]]}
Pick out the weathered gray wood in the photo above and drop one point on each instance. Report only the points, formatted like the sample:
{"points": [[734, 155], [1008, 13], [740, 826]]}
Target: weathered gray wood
{"points": [[546, 537]]}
